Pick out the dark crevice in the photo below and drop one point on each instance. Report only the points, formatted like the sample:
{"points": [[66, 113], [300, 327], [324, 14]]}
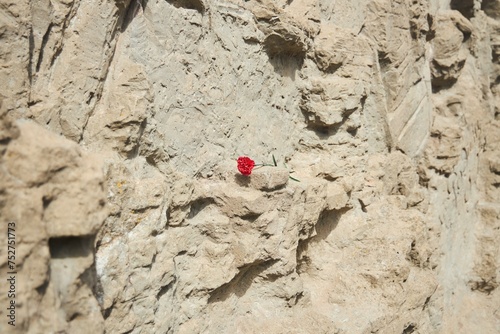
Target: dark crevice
{"points": [[74, 316], [153, 260], [410, 328], [143, 209], [495, 82], [199, 205], [42, 288], [440, 172], [31, 41], [325, 131], [353, 131], [98, 290], [327, 222], [151, 161], [483, 285], [432, 33], [440, 81], [242, 180], [413, 255], [189, 4], [107, 312], [4, 142], [134, 153], [363, 205], [250, 217], [46, 200], [125, 16], [302, 259], [384, 61], [491, 8], [427, 300], [328, 177], [118, 125], [285, 63], [164, 289], [241, 282], [55, 56], [439, 85], [89, 278], [423, 179], [465, 7], [332, 68], [91, 96], [67, 20], [133, 8], [299, 297], [71, 247], [45, 39], [322, 131], [467, 35]]}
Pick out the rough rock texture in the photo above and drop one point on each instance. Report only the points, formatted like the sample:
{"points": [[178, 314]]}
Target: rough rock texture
{"points": [[55, 194], [388, 112]]}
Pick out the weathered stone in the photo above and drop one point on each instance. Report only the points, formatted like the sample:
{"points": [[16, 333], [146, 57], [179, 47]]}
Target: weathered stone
{"points": [[386, 111], [337, 198], [267, 178], [449, 48], [53, 194], [330, 102]]}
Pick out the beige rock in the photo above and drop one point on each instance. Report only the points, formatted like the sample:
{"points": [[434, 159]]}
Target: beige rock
{"points": [[329, 103], [267, 178], [386, 111], [449, 46], [53, 193]]}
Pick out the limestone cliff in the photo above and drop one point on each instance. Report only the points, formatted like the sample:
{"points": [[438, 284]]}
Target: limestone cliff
{"points": [[121, 122]]}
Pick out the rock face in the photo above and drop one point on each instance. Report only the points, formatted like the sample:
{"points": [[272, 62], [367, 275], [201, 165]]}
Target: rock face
{"points": [[120, 128], [54, 194]]}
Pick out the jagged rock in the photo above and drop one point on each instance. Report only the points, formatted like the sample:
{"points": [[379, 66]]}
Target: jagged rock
{"points": [[330, 102], [386, 111], [451, 31], [285, 39], [333, 47], [54, 194]]}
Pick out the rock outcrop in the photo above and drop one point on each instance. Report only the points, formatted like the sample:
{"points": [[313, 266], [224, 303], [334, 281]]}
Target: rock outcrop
{"points": [[377, 208], [54, 194]]}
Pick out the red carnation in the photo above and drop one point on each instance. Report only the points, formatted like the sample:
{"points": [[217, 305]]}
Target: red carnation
{"points": [[245, 165]]}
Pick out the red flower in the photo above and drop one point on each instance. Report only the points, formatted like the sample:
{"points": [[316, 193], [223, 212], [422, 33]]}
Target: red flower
{"points": [[245, 165]]}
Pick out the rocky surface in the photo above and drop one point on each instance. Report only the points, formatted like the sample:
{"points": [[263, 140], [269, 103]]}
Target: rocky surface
{"points": [[122, 121], [54, 193]]}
